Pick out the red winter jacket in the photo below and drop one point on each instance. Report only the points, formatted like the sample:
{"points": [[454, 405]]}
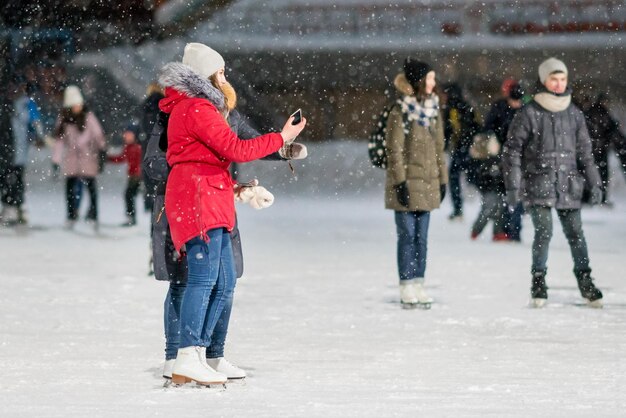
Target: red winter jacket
{"points": [[132, 155], [199, 193]]}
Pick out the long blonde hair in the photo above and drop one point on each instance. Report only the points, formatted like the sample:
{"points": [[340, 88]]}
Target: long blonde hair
{"points": [[154, 87], [230, 95]]}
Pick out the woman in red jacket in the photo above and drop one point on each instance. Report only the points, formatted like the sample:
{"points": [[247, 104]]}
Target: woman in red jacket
{"points": [[199, 199]]}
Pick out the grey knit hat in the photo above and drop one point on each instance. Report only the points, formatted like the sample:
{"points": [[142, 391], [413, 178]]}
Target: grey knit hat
{"points": [[551, 66]]}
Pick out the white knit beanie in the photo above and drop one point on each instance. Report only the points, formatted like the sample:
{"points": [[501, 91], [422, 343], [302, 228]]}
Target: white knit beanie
{"points": [[72, 96], [549, 66], [203, 60]]}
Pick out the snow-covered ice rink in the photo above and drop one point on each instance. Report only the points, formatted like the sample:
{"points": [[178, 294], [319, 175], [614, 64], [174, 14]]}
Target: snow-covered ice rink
{"points": [[317, 324]]}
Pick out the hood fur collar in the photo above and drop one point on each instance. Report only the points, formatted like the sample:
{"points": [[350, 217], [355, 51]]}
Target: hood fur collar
{"points": [[185, 80], [402, 85]]}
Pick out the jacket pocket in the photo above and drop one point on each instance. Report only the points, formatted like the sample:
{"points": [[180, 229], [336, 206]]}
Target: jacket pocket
{"points": [[540, 186], [215, 202], [576, 186]]}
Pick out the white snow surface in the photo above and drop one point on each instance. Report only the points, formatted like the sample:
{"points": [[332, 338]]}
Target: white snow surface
{"points": [[316, 323]]}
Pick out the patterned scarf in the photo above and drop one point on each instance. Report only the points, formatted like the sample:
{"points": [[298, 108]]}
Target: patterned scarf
{"points": [[425, 113]]}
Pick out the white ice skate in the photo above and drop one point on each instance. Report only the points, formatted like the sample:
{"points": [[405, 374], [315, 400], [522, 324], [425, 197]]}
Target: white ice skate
{"points": [[191, 366], [538, 302], [597, 304], [422, 296], [167, 368], [221, 365], [413, 295], [407, 294]]}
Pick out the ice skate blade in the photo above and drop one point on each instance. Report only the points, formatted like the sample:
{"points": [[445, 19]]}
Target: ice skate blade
{"points": [[596, 304], [416, 305], [181, 380], [538, 303]]}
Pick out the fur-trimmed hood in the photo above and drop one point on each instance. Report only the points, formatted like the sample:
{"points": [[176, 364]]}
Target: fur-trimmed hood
{"points": [[180, 81], [402, 85]]}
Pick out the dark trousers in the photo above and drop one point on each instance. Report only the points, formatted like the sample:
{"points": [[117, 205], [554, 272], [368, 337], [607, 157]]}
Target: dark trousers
{"points": [[491, 209], [602, 162], [12, 186], [73, 195], [573, 230], [458, 165], [130, 195], [513, 222]]}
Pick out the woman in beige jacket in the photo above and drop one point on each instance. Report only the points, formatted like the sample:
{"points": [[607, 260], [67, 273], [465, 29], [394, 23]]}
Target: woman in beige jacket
{"points": [[416, 173]]}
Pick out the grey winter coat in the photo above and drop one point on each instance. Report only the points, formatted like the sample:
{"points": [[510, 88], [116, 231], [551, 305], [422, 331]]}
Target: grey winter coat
{"points": [[416, 156], [166, 261], [547, 157]]}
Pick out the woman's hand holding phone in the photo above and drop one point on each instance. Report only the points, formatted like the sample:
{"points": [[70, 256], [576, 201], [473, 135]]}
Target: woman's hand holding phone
{"points": [[293, 127]]}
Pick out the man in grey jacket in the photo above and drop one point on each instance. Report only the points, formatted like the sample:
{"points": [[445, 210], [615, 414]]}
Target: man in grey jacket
{"points": [[546, 160]]}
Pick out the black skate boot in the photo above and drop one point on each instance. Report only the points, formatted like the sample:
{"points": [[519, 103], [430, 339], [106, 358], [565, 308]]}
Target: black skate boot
{"points": [[539, 290], [588, 290]]}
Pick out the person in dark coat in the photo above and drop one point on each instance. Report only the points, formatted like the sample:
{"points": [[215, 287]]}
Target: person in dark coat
{"points": [[604, 132], [485, 164], [546, 160], [498, 121], [148, 118], [460, 126]]}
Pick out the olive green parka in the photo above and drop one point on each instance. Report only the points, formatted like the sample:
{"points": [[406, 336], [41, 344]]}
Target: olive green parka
{"points": [[416, 157]]}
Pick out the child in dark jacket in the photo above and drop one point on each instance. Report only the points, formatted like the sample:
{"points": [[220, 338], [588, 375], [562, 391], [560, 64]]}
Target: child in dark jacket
{"points": [[487, 176], [131, 155]]}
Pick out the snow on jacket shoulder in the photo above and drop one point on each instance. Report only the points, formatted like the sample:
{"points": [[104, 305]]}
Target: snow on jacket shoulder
{"points": [[201, 146]]}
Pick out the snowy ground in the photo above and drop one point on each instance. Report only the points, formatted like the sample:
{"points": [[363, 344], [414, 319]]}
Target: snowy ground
{"points": [[316, 324]]}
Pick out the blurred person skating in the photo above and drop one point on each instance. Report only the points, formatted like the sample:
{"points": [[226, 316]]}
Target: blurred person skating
{"points": [[21, 124], [150, 112], [199, 201], [80, 140], [485, 164], [131, 154], [416, 174], [498, 121], [547, 159], [460, 126], [604, 132]]}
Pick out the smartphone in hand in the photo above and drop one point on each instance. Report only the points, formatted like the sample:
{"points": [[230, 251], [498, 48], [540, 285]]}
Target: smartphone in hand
{"points": [[297, 117]]}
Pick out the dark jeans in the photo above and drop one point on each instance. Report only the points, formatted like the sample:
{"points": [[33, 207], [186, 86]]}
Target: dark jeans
{"points": [[412, 231], [458, 165], [73, 195], [602, 162], [130, 195], [12, 186], [573, 230], [491, 209], [513, 222]]}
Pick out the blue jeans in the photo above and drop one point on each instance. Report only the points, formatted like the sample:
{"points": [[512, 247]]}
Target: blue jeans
{"points": [[573, 230], [412, 231], [171, 319], [210, 285]]}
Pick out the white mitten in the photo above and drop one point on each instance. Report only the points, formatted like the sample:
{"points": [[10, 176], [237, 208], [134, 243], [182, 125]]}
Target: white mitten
{"points": [[244, 194], [293, 151], [262, 198]]}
